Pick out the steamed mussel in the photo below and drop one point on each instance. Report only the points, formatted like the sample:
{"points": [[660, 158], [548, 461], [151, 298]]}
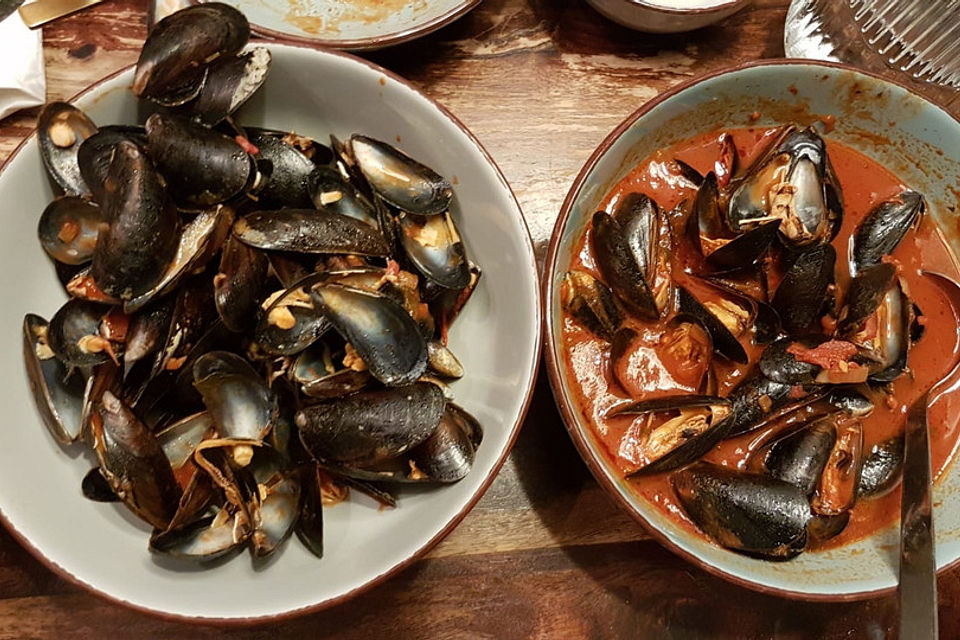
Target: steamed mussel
{"points": [[257, 323], [735, 324]]}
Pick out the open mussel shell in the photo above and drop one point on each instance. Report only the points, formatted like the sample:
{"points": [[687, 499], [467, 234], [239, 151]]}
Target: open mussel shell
{"points": [[238, 283], [328, 190], [447, 455], [864, 295], [337, 384], [286, 170], [68, 229], [133, 254], [201, 166], [61, 128], [180, 439], [230, 82], [793, 182], [95, 487], [369, 427], [399, 179], [753, 514], [838, 484], [758, 399], [883, 228], [279, 503], [207, 538], [591, 303], [803, 293], [744, 249], [74, 334], [95, 153], [800, 456], [442, 361], [240, 403], [133, 462], [619, 267], [196, 243], [57, 391], [882, 468], [433, 245], [384, 335], [291, 323], [724, 341], [309, 231], [821, 528], [174, 58]]}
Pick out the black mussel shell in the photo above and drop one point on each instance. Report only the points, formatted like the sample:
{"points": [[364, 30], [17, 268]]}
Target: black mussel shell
{"points": [[865, 294], [238, 283], [68, 229], [230, 82], [95, 487], [384, 335], [591, 303], [201, 166], [94, 154], [133, 254], [74, 334], [240, 403], [309, 231], [174, 58], [884, 227], [57, 391], [400, 180], [61, 128], [724, 342], [803, 293], [286, 170], [800, 456], [619, 267], [447, 455], [309, 527], [758, 398], [745, 249], [371, 426], [882, 468], [433, 245], [328, 190], [752, 514], [821, 528]]}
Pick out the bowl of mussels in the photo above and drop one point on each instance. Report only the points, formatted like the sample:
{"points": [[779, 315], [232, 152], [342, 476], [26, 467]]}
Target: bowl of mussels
{"points": [[751, 281], [279, 321]]}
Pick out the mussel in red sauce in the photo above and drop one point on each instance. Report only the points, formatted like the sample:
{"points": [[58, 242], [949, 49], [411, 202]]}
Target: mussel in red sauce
{"points": [[745, 336]]}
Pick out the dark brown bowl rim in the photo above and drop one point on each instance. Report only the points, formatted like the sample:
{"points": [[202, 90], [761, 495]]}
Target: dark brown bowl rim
{"points": [[369, 43], [457, 518], [553, 366]]}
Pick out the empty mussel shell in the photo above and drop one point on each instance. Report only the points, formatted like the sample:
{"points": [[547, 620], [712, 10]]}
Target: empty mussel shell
{"points": [[447, 455], [180, 439], [207, 538], [309, 527], [60, 130], [74, 334], [433, 245], [238, 283], [68, 229], [883, 228], [328, 190], [399, 179], [57, 391], [230, 82], [371, 426], [95, 487], [240, 403], [381, 331]]}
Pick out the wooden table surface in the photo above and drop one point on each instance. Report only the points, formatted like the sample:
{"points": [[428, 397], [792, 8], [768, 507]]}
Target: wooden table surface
{"points": [[545, 553]]}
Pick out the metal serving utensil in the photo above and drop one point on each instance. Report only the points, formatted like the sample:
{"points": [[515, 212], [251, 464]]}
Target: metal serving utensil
{"points": [[918, 566]]}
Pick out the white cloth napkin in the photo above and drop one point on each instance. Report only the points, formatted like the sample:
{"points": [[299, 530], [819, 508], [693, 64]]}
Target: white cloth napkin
{"points": [[22, 81]]}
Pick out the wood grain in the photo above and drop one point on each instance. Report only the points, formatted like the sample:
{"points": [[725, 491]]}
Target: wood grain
{"points": [[545, 554]]}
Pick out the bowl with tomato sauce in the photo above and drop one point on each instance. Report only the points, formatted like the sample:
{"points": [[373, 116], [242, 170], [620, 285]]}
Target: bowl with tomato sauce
{"points": [[738, 316]]}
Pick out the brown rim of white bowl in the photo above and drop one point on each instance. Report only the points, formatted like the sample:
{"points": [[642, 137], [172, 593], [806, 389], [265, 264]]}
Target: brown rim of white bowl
{"points": [[365, 44], [597, 468], [419, 553]]}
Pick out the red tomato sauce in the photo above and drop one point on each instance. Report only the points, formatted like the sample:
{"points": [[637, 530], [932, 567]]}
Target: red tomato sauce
{"points": [[864, 184]]}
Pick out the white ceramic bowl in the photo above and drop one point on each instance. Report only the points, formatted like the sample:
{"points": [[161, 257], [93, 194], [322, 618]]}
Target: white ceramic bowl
{"points": [[497, 338], [922, 148], [350, 24], [667, 16]]}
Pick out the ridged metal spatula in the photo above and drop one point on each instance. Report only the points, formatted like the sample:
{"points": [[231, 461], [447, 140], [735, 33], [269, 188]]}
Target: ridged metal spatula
{"points": [[919, 38]]}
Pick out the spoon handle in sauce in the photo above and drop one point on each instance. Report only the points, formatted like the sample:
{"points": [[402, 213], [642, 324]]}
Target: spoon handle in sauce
{"points": [[918, 567]]}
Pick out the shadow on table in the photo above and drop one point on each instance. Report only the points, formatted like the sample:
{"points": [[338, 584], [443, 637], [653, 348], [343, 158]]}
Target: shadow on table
{"points": [[641, 589]]}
